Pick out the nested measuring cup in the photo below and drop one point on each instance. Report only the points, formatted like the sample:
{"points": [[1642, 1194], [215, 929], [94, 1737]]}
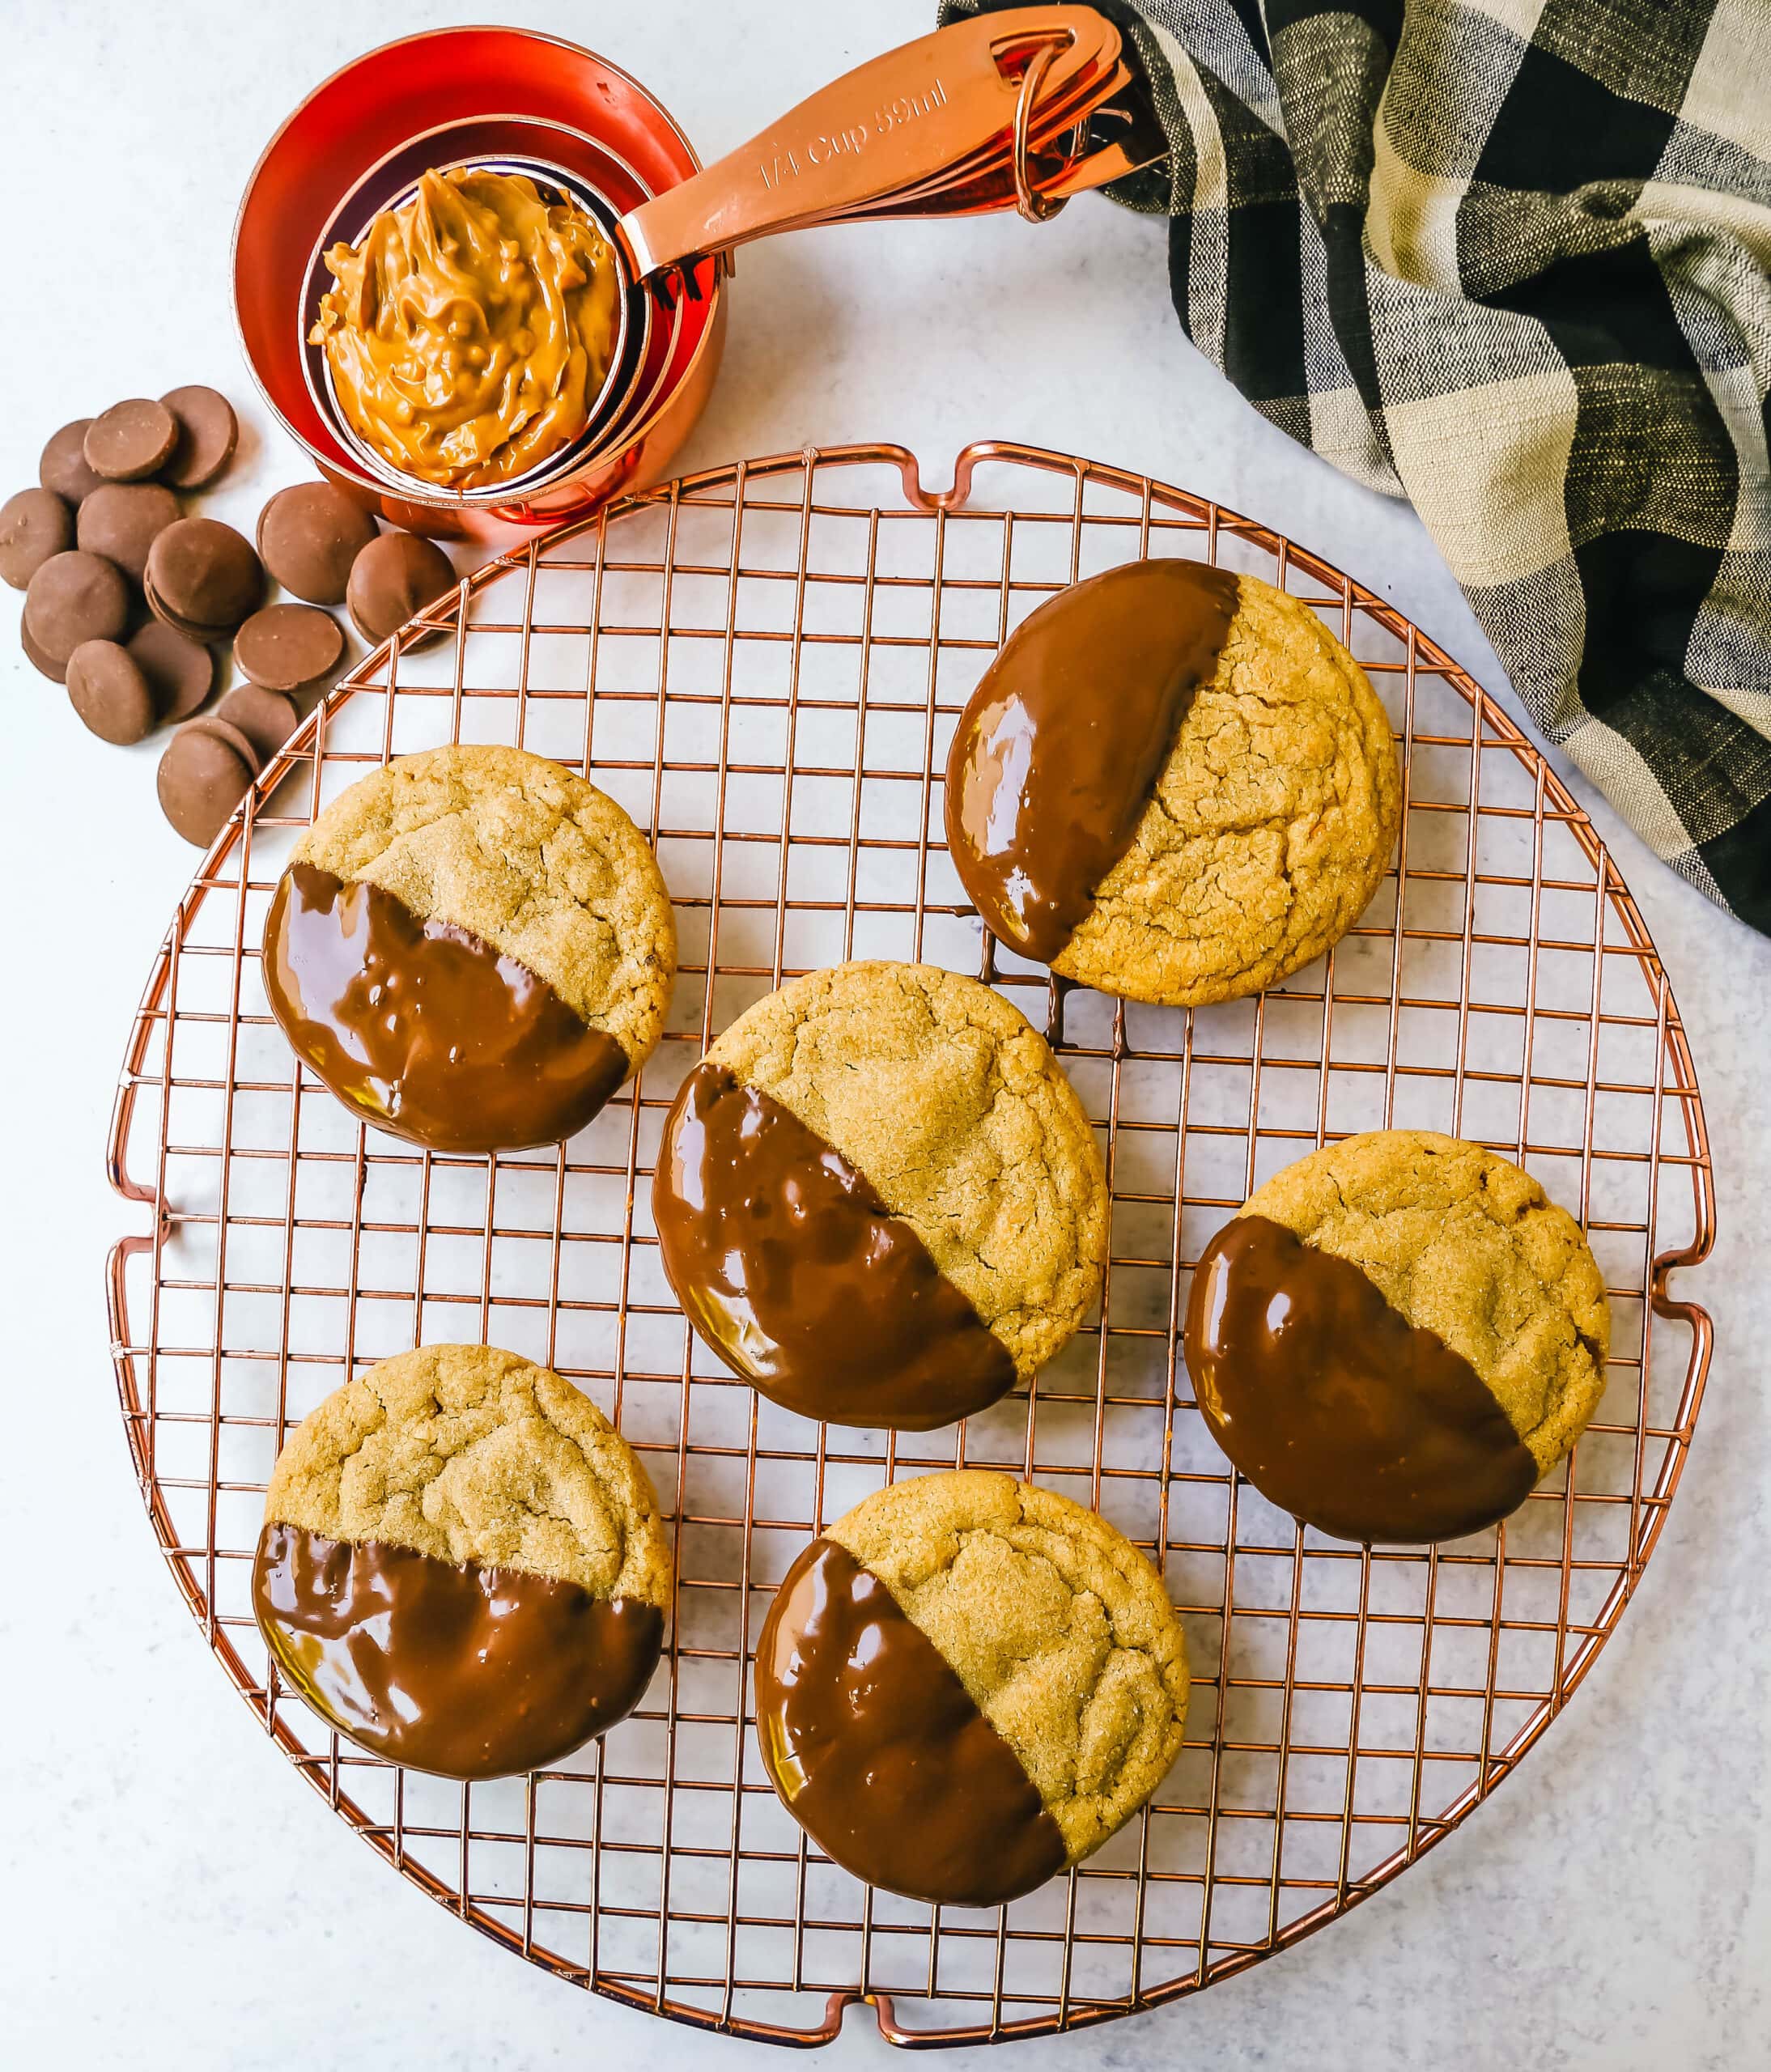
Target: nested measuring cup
{"points": [[1020, 109]]}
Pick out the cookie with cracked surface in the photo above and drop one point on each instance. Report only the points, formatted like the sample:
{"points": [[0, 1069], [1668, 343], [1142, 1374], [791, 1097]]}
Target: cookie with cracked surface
{"points": [[1396, 1338], [462, 1565], [967, 1684], [473, 948], [1173, 783], [878, 1198]]}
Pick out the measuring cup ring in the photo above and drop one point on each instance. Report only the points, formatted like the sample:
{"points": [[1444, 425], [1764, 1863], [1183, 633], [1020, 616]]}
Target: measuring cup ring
{"points": [[1032, 206]]}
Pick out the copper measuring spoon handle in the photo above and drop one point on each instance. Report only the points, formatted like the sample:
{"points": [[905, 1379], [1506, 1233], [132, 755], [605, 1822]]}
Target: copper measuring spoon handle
{"points": [[946, 115]]}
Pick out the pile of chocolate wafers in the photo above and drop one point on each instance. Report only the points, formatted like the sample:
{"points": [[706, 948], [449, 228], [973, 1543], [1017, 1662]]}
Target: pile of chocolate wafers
{"points": [[128, 598]]}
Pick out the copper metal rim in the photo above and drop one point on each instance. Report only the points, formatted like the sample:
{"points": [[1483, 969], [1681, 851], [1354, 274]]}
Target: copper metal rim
{"points": [[764, 663]]}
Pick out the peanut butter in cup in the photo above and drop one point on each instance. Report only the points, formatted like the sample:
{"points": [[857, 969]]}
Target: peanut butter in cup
{"points": [[469, 333], [879, 1752], [467, 1670], [425, 1029], [1057, 754], [1335, 1406], [790, 1266]]}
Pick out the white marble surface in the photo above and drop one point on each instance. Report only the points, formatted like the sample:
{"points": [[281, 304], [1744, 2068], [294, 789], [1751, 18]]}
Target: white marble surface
{"points": [[172, 1896]]}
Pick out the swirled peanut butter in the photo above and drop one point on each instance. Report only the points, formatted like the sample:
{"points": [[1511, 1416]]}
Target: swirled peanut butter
{"points": [[469, 333]]}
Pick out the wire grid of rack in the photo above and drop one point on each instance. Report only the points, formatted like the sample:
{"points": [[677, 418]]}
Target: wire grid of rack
{"points": [[764, 663]]}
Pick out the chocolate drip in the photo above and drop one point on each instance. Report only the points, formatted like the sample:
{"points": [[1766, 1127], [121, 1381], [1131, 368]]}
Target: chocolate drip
{"points": [[468, 1672], [793, 1269], [1058, 753], [430, 1031], [1335, 1406], [878, 1752]]}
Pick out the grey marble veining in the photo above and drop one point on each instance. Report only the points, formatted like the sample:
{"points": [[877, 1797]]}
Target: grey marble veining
{"points": [[173, 1896]]}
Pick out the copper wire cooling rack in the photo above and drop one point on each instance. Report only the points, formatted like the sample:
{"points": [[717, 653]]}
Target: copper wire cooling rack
{"points": [[764, 663]]}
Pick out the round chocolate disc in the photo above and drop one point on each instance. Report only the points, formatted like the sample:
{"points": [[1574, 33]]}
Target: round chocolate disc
{"points": [[56, 672], [75, 597], [266, 718], [63, 466], [309, 536], [394, 576], [106, 688], [236, 738], [121, 520], [180, 672], [202, 576], [188, 629], [202, 777], [286, 646], [34, 524], [131, 440], [207, 431]]}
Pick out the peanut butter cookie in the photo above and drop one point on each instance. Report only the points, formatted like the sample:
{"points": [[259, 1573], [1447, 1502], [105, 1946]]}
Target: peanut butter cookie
{"points": [[879, 1198], [968, 1683], [473, 947], [463, 1566], [1397, 1336], [1174, 783]]}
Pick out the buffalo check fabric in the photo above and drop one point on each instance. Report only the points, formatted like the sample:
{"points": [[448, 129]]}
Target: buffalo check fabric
{"points": [[1509, 260]]}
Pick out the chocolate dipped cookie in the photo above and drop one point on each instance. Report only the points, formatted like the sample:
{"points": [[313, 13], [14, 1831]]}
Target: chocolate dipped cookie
{"points": [[473, 948], [462, 1566], [878, 1199], [1174, 784], [967, 1684], [1398, 1337]]}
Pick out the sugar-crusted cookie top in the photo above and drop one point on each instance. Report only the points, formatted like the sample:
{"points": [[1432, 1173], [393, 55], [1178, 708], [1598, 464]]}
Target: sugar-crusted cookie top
{"points": [[1467, 1245], [1059, 1628], [1272, 824], [532, 858], [952, 1105], [467, 1453]]}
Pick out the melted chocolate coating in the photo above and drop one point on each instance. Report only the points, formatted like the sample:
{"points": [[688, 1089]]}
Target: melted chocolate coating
{"points": [[1057, 754], [432, 1033], [877, 1752], [1335, 1406], [793, 1270], [465, 1670]]}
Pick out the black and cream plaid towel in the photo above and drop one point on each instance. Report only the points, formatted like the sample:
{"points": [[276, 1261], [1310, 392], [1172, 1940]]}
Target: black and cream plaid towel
{"points": [[1509, 259]]}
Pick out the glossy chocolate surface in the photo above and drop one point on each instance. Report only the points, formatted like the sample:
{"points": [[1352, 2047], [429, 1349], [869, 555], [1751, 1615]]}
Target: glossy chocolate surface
{"points": [[1335, 1406], [877, 1752], [793, 1269], [466, 1670], [1057, 754], [431, 1032]]}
